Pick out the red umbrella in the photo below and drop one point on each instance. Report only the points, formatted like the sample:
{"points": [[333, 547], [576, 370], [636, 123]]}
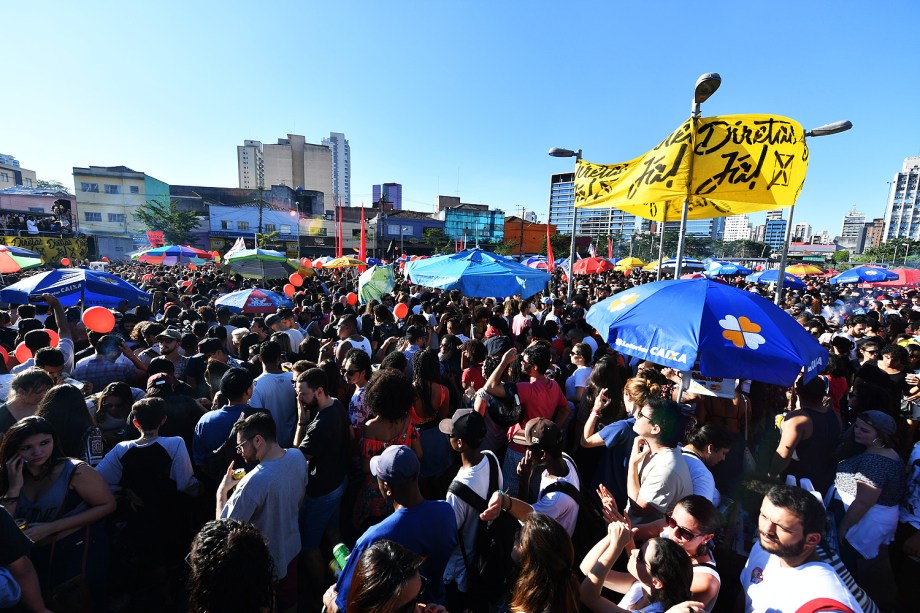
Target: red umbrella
{"points": [[906, 276], [592, 266], [694, 275]]}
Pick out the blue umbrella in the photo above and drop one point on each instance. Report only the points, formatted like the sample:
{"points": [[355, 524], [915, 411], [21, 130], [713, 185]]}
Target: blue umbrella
{"points": [[532, 259], [22, 252], [864, 273], [254, 301], [715, 268], [373, 262], [478, 274], [686, 264], [96, 288], [772, 276], [731, 332]]}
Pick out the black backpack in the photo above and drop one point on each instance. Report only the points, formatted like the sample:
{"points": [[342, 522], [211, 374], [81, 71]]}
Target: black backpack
{"points": [[590, 526], [489, 568]]}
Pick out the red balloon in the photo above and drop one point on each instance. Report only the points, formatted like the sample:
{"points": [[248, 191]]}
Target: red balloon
{"points": [[192, 267], [307, 262], [99, 319], [401, 310], [289, 289], [147, 277], [105, 258], [6, 356], [54, 336], [318, 265], [23, 353], [295, 279], [352, 298], [65, 261]]}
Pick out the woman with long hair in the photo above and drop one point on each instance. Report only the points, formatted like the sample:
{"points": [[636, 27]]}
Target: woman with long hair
{"points": [[546, 581], [432, 404], [26, 392], [386, 579], [65, 409], [61, 500], [662, 568]]}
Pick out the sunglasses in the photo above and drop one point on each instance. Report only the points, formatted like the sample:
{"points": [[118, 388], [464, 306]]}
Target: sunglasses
{"points": [[681, 533], [409, 607], [347, 373], [239, 448]]}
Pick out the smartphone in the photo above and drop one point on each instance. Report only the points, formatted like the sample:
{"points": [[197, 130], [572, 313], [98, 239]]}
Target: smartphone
{"points": [[34, 298]]}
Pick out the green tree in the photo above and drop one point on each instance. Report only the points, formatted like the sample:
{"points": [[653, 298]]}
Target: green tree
{"points": [[267, 240], [561, 244], [506, 248], [164, 215], [56, 186], [841, 256], [436, 239]]}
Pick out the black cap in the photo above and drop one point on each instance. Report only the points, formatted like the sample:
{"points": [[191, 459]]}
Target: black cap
{"points": [[235, 382], [465, 424]]}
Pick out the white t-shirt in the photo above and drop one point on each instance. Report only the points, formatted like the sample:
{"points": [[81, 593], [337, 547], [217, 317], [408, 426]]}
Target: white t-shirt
{"points": [[769, 587], [296, 338], [477, 479], [65, 345], [275, 393], [703, 483], [181, 470], [664, 479], [559, 505], [579, 378]]}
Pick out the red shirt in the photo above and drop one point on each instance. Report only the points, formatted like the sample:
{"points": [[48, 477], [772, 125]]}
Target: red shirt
{"points": [[473, 375], [539, 399]]}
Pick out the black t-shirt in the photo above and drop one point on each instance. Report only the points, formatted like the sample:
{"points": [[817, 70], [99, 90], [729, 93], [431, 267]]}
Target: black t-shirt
{"points": [[326, 445], [13, 543]]}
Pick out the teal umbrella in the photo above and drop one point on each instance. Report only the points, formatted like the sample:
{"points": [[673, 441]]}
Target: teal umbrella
{"points": [[258, 264], [375, 282]]}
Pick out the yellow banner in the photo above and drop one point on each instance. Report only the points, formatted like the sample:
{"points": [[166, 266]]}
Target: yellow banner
{"points": [[739, 164], [52, 250]]}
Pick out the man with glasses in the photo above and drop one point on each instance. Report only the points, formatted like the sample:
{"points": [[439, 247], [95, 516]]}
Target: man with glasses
{"points": [[657, 476], [323, 437], [347, 329], [357, 372], [273, 391], [168, 343], [268, 497]]}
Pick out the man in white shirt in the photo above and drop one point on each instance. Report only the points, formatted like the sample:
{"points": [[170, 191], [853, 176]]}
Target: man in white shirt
{"points": [[784, 572], [273, 391]]}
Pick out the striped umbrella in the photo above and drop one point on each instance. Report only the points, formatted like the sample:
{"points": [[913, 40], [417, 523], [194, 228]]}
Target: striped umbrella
{"points": [[258, 264], [14, 259]]}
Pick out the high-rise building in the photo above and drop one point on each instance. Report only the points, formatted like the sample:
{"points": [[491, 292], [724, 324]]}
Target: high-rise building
{"points": [[341, 167], [737, 228], [801, 232], [391, 192], [774, 214], [12, 174], [292, 162], [758, 233], [902, 214], [853, 232], [714, 228], [591, 222], [875, 231], [775, 233]]}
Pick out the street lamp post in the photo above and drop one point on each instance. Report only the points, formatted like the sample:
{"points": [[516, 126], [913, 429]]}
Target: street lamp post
{"points": [[557, 152], [706, 86], [825, 130]]}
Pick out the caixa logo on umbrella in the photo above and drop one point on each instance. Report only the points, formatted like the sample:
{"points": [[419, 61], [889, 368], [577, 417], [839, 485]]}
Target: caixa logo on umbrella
{"points": [[742, 332], [655, 352]]}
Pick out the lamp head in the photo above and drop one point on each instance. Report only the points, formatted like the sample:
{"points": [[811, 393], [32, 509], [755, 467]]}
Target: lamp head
{"points": [[558, 152], [706, 86], [830, 128]]}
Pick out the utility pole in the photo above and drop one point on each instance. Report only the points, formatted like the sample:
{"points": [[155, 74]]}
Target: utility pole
{"points": [[521, 246]]}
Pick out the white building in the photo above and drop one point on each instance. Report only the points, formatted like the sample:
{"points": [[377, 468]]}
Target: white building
{"points": [[801, 232], [292, 162], [902, 214], [853, 231], [737, 228], [341, 167]]}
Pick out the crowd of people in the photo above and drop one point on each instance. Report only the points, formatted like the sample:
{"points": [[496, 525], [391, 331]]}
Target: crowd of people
{"points": [[478, 454], [33, 225]]}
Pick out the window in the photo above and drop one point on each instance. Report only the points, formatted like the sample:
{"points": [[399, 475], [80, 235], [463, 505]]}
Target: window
{"points": [[116, 218], [89, 187], [135, 189], [36, 209], [224, 225], [92, 216], [112, 189], [356, 233], [28, 182], [242, 225], [269, 227], [285, 229], [6, 177]]}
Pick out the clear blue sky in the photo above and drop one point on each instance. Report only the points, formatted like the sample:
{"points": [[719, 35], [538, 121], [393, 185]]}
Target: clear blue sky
{"points": [[454, 97]]}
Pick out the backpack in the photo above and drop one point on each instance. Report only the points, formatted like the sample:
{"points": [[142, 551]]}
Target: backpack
{"points": [[488, 567], [590, 526], [507, 411]]}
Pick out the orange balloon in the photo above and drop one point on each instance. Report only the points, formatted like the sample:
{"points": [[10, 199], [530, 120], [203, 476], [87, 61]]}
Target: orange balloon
{"points": [[352, 298], [147, 277], [55, 338], [318, 265], [99, 319], [65, 261], [307, 262], [23, 353], [192, 267], [295, 279], [289, 289], [401, 310]]}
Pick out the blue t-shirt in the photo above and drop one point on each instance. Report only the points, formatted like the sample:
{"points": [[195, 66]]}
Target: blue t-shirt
{"points": [[428, 529], [213, 429], [613, 467]]}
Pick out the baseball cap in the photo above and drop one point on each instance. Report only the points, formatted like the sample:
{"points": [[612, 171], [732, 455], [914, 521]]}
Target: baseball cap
{"points": [[883, 422], [173, 335], [397, 464], [539, 432], [466, 423]]}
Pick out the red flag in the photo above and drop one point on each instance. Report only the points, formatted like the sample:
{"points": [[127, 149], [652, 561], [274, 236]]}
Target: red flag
{"points": [[609, 249], [551, 263], [456, 246], [362, 253]]}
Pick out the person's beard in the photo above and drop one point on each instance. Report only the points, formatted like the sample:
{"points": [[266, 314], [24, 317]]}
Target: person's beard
{"points": [[783, 551]]}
